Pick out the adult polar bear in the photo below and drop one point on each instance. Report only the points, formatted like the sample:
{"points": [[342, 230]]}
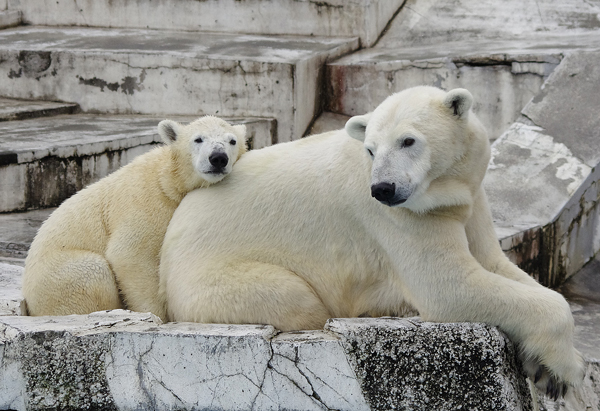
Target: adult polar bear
{"points": [[294, 237]]}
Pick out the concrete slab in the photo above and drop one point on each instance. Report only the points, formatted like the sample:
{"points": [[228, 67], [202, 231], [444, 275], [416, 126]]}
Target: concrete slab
{"points": [[542, 179], [126, 361], [365, 19], [12, 109], [568, 106], [501, 52], [168, 72], [44, 161], [10, 18]]}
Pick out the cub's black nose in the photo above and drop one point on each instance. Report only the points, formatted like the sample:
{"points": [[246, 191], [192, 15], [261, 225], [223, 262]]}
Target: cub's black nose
{"points": [[383, 191], [218, 160]]}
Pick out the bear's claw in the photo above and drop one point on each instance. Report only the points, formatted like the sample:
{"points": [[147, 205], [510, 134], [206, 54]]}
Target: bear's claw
{"points": [[544, 380]]}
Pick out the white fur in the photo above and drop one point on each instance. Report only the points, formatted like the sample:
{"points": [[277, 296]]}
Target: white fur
{"points": [[103, 243], [294, 236]]}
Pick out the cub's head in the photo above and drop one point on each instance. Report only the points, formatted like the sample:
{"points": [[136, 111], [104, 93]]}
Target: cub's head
{"points": [[428, 149], [211, 145]]}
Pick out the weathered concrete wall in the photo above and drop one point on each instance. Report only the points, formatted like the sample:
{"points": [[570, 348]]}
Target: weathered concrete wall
{"points": [[129, 361], [355, 18], [501, 84]]}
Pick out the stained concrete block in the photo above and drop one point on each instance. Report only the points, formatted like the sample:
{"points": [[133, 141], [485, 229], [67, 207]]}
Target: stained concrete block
{"points": [[409, 364], [365, 19], [544, 203], [47, 363], [126, 361], [11, 109], [168, 72], [542, 179], [567, 106], [44, 161], [10, 18]]}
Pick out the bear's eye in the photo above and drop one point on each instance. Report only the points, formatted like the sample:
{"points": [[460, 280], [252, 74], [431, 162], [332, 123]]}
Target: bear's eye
{"points": [[370, 152], [408, 142], [232, 142], [198, 140]]}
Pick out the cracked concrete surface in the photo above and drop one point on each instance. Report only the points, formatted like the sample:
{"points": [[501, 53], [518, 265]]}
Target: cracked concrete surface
{"points": [[129, 361]]}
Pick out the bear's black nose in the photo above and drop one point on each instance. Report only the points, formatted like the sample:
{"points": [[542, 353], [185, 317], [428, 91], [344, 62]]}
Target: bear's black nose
{"points": [[218, 160], [383, 191]]}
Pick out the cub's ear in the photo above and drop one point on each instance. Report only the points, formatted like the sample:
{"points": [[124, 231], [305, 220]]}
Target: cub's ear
{"points": [[168, 130], [357, 125], [459, 101], [239, 130]]}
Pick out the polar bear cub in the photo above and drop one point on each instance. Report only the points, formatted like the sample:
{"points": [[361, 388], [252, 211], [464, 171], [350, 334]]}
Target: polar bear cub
{"points": [[390, 220], [100, 249]]}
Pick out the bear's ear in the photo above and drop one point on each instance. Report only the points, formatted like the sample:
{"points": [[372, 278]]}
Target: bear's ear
{"points": [[239, 130], [168, 130], [459, 101], [357, 125]]}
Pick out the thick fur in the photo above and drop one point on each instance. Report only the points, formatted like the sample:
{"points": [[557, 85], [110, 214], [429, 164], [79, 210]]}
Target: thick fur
{"points": [[294, 236], [100, 249]]}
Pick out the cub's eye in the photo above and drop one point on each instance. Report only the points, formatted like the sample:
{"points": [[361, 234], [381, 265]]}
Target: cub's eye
{"points": [[408, 142], [370, 152], [198, 140], [232, 142]]}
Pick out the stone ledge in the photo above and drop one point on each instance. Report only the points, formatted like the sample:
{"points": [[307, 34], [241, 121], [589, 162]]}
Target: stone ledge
{"points": [[124, 360]]}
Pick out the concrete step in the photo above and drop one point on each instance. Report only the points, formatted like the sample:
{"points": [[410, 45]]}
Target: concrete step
{"points": [[167, 72], [44, 161], [365, 19], [13, 109]]}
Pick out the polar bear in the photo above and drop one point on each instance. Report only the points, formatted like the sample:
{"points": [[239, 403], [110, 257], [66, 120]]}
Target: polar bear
{"points": [[295, 237], [99, 250]]}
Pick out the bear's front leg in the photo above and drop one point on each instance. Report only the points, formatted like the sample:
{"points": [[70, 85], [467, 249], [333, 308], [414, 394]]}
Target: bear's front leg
{"points": [[453, 286], [484, 245]]}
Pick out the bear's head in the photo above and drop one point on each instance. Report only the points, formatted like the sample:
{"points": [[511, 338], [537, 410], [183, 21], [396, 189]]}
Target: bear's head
{"points": [[428, 149], [209, 144]]}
